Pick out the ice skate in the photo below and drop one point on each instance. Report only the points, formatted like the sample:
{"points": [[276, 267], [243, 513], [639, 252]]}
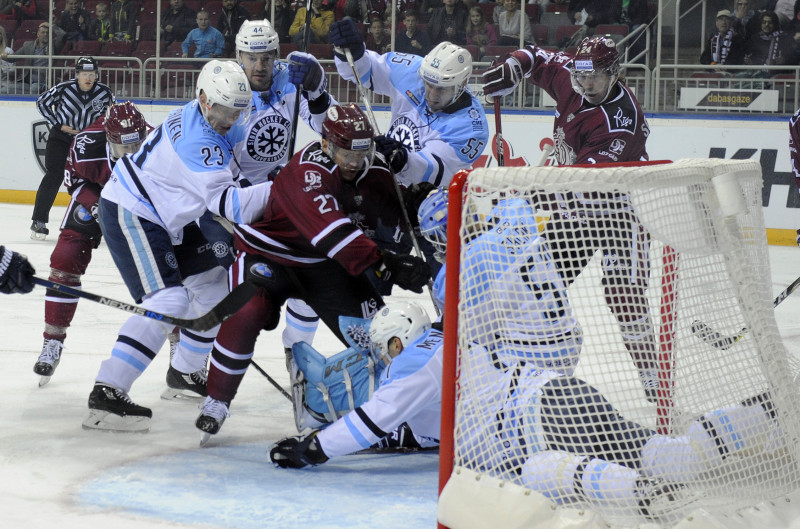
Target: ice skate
{"points": [[113, 410], [183, 386], [39, 230], [48, 360], [663, 501], [212, 416]]}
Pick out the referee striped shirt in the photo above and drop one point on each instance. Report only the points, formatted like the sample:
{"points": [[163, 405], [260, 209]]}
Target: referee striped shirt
{"points": [[66, 104]]}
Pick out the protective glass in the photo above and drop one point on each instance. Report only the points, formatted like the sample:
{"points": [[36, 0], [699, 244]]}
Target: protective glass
{"points": [[118, 150]]}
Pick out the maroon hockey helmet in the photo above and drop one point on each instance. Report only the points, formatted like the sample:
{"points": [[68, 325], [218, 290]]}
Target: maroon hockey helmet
{"points": [[348, 127], [125, 127], [597, 53]]}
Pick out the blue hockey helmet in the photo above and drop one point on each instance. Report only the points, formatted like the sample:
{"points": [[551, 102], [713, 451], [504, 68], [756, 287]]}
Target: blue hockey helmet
{"points": [[433, 221]]}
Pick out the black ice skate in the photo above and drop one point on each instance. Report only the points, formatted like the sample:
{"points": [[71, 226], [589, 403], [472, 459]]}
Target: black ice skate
{"points": [[212, 415], [113, 410], [183, 386], [39, 230], [48, 360]]}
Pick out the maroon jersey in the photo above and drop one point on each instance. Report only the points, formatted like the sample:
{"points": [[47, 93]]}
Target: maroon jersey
{"points": [[614, 131], [88, 161], [313, 215], [794, 145]]}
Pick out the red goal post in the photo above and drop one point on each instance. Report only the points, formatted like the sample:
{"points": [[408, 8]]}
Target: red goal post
{"points": [[712, 246]]}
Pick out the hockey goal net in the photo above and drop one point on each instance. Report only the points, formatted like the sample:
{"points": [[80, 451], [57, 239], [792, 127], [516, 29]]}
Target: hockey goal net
{"points": [[612, 359]]}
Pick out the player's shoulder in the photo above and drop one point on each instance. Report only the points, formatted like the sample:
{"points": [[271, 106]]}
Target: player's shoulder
{"points": [[795, 118], [194, 140], [416, 355], [467, 120], [313, 155]]}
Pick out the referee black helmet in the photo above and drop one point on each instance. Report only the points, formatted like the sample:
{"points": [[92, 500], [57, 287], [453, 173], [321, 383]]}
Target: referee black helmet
{"points": [[86, 64]]}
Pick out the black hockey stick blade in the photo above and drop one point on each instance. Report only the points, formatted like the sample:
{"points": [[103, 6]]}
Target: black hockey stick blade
{"points": [[718, 341], [222, 311], [375, 449]]}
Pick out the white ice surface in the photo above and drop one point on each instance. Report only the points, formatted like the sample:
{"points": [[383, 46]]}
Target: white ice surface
{"points": [[55, 474]]}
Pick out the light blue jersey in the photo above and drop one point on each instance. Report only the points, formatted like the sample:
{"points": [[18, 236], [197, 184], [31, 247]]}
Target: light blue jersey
{"points": [[263, 141], [182, 170], [440, 143]]}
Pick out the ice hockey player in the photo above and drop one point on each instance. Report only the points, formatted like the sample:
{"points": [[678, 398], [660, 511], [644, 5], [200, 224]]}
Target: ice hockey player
{"points": [[147, 213], [90, 159], [437, 125], [310, 244], [598, 120]]}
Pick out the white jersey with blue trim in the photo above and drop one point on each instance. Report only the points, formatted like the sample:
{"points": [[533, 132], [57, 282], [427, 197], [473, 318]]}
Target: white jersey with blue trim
{"points": [[517, 299], [410, 391], [264, 141], [440, 143], [182, 170]]}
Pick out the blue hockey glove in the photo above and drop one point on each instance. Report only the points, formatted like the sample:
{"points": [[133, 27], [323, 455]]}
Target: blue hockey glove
{"points": [[345, 34], [298, 452], [305, 70], [16, 273], [393, 151]]}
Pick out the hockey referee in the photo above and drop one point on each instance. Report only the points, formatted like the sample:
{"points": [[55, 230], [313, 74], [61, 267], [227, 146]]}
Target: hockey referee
{"points": [[68, 107]]}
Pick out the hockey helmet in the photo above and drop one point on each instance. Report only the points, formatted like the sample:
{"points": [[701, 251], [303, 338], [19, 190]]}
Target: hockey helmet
{"points": [[256, 36], [406, 321], [346, 128], [595, 55], [433, 221], [86, 64], [446, 66], [224, 85], [126, 129]]}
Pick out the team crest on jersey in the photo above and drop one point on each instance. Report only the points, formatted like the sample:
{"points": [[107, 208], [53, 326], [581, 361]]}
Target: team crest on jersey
{"points": [[40, 132], [313, 180], [172, 261], [268, 140], [617, 146], [220, 249], [405, 130], [474, 113], [82, 142]]}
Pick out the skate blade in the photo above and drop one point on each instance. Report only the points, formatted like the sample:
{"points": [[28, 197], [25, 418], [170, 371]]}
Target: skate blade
{"points": [[43, 380], [182, 395], [110, 422], [38, 236], [204, 439]]}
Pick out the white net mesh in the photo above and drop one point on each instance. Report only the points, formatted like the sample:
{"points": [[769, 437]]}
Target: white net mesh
{"points": [[618, 351]]}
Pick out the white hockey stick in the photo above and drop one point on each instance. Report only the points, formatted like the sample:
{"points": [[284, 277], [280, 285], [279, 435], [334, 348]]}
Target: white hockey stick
{"points": [[547, 150], [718, 341]]}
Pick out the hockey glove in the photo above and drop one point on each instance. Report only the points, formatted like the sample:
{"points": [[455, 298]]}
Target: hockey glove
{"points": [[305, 70], [502, 78], [414, 196], [393, 151], [406, 271], [16, 273], [345, 34], [298, 452]]}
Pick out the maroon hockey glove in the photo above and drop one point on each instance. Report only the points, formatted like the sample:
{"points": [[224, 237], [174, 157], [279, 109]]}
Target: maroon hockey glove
{"points": [[502, 78], [298, 452], [406, 271]]}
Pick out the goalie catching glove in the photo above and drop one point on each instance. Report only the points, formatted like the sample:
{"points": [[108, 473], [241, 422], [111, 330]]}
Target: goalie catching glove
{"points": [[502, 78], [298, 452], [406, 271]]}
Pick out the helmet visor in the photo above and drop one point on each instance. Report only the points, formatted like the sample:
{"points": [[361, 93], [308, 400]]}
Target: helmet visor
{"points": [[223, 118], [118, 150]]}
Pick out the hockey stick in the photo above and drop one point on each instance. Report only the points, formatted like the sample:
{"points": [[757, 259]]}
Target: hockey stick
{"points": [[718, 341], [222, 311], [381, 450], [547, 150], [298, 95], [271, 380], [371, 117], [498, 133]]}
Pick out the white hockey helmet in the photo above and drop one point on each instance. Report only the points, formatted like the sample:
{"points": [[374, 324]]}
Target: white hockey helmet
{"points": [[224, 83], [257, 36], [406, 321], [447, 65]]}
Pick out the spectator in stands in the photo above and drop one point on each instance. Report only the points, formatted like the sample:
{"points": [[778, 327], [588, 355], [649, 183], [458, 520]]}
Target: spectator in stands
{"points": [[726, 46], [208, 42], [360, 10], [509, 23], [177, 22], [412, 40], [100, 26], [745, 18], [770, 46], [230, 20], [8, 79], [29, 10], [590, 13], [449, 23], [479, 32], [36, 72], [6, 9], [428, 6], [785, 11], [74, 21], [321, 20], [401, 6], [282, 22], [378, 39], [123, 19]]}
